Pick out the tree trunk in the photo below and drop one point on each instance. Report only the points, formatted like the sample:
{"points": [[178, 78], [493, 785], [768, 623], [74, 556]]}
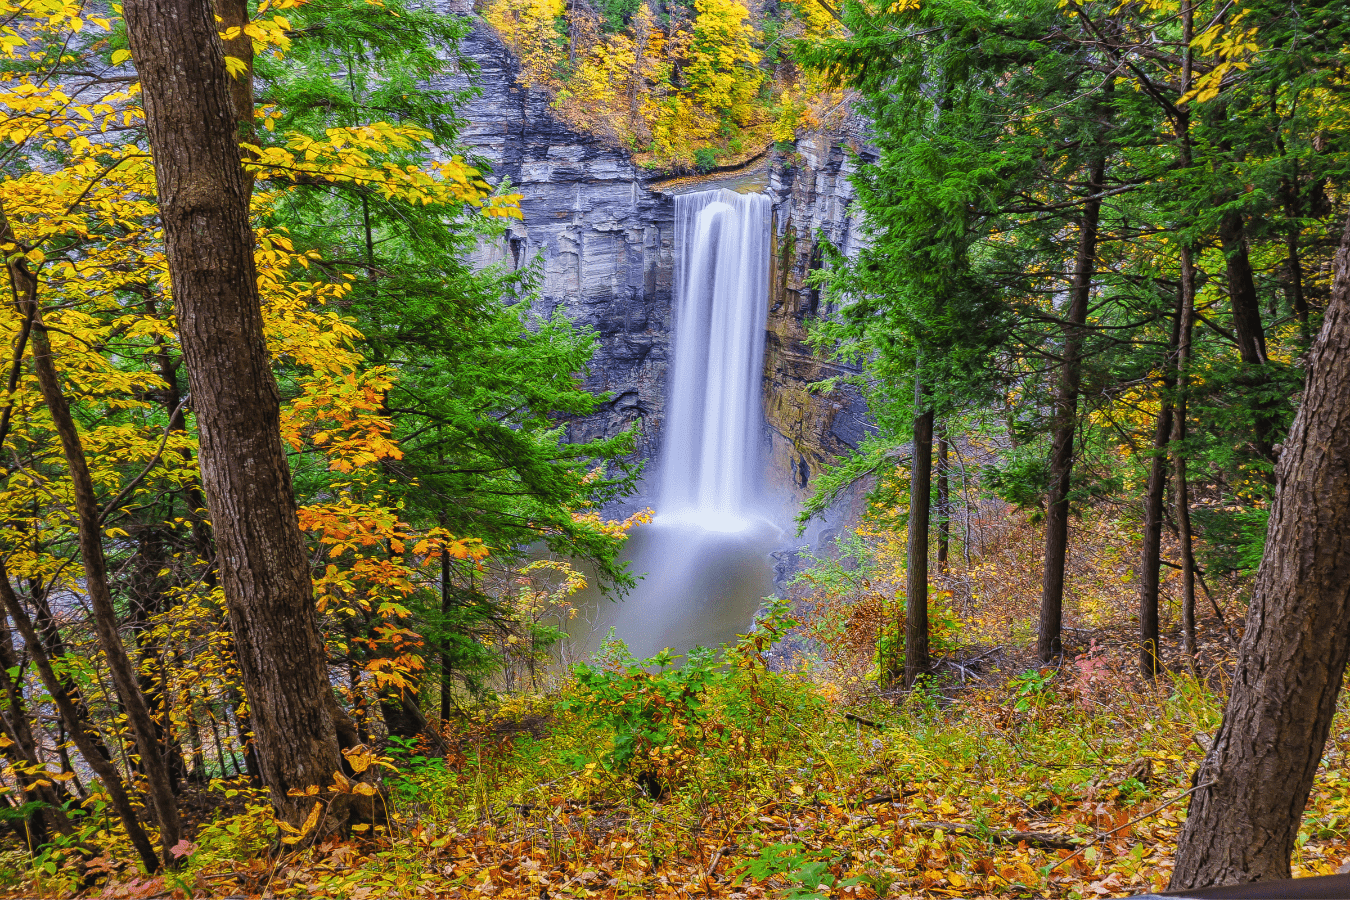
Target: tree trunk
{"points": [[447, 601], [1242, 290], [1186, 320], [203, 195], [916, 578], [1256, 777], [1247, 326], [90, 533], [1150, 655], [1293, 284], [1049, 643], [234, 14], [103, 767], [24, 750], [944, 499], [148, 600]]}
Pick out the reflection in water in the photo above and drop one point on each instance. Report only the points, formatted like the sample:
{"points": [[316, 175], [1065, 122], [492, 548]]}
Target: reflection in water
{"points": [[697, 588]]}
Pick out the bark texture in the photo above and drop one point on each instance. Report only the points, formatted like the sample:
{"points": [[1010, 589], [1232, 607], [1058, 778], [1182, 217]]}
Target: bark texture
{"points": [[1292, 659], [916, 578], [203, 196], [1049, 640]]}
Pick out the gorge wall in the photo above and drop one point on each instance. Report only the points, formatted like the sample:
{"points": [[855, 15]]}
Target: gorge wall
{"points": [[603, 241], [601, 231]]}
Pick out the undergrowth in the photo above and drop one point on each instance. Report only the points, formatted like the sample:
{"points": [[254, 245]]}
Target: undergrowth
{"points": [[726, 774]]}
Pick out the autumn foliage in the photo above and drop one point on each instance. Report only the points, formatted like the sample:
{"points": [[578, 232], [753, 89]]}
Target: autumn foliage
{"points": [[668, 84]]}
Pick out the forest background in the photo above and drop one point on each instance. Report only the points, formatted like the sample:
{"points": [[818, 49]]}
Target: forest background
{"points": [[1103, 240]]}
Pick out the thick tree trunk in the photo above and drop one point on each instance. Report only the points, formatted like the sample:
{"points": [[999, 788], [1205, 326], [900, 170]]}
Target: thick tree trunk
{"points": [[1256, 777], [203, 195], [916, 577], [1150, 655], [1049, 643]]}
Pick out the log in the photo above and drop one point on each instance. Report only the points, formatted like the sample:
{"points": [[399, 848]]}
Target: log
{"points": [[1043, 839]]}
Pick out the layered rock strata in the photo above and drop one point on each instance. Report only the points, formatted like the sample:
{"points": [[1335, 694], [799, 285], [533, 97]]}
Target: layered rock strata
{"points": [[600, 231], [601, 240], [813, 201]]}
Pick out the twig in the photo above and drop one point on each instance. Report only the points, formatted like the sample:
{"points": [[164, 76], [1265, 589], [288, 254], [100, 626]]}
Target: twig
{"points": [[1097, 840]]}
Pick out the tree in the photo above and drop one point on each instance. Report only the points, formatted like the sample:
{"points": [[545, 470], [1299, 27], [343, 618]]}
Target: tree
{"points": [[482, 382], [203, 200], [917, 662], [722, 65], [1049, 644], [1254, 781]]}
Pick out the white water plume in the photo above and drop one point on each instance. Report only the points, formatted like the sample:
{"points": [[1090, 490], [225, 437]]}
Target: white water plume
{"points": [[721, 302]]}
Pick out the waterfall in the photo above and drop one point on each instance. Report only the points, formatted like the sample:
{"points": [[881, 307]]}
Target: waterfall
{"points": [[721, 302]]}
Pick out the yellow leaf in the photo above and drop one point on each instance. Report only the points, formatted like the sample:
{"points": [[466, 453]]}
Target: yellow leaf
{"points": [[120, 56], [312, 819]]}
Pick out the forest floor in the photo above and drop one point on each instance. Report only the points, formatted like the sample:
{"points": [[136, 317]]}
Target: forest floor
{"points": [[720, 777]]}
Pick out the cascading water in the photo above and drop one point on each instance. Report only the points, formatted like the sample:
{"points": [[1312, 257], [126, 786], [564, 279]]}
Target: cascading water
{"points": [[721, 296], [704, 560]]}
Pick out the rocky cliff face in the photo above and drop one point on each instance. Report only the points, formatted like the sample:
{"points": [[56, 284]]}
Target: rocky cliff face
{"points": [[812, 200], [601, 231], [602, 240]]}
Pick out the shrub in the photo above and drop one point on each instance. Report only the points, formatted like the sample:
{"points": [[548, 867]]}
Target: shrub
{"points": [[705, 159]]}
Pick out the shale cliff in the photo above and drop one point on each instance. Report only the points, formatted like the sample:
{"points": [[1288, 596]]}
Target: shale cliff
{"points": [[813, 201], [601, 239], [601, 232]]}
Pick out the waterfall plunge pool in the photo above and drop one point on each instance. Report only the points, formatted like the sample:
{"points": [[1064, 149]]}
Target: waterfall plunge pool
{"points": [[696, 588], [705, 562]]}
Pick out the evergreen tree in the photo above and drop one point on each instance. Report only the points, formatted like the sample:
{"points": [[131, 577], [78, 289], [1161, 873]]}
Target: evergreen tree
{"points": [[484, 387]]}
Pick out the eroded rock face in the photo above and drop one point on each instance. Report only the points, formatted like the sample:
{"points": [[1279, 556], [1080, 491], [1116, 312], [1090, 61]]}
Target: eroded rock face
{"points": [[812, 199], [601, 231], [601, 239]]}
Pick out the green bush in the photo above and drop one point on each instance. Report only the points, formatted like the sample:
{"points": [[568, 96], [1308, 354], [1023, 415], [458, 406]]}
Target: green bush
{"points": [[656, 716], [705, 159]]}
